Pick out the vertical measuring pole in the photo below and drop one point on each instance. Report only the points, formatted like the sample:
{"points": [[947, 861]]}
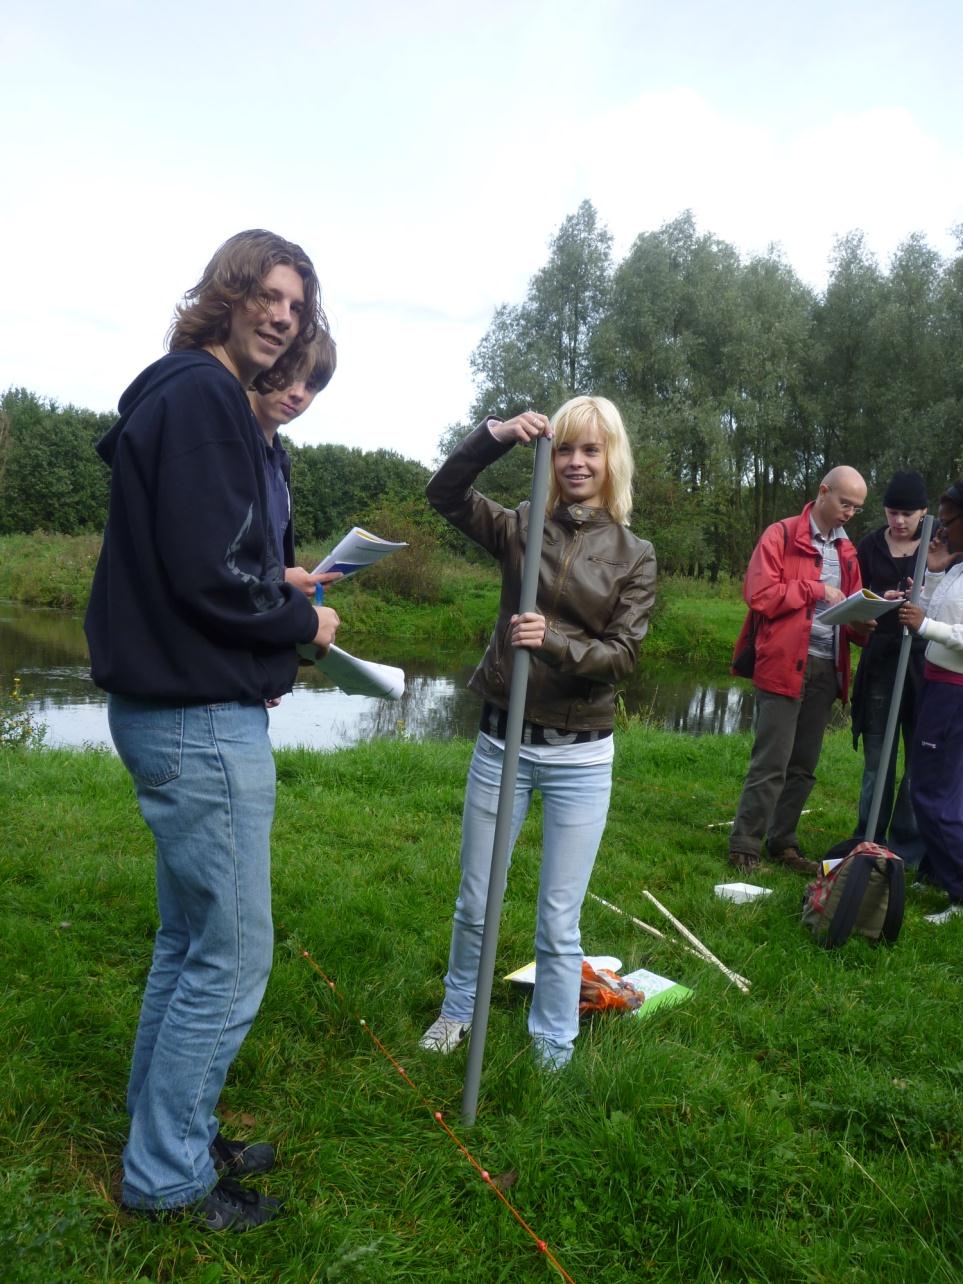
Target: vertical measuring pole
{"points": [[506, 793], [896, 699]]}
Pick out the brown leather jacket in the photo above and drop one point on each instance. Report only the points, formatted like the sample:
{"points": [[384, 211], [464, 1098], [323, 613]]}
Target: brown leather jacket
{"points": [[596, 589]]}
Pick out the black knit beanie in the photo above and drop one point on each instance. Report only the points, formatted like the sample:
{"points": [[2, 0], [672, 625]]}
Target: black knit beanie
{"points": [[906, 491]]}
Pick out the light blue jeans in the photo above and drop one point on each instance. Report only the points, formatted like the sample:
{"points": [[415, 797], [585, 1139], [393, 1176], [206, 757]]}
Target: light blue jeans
{"points": [[205, 782], [575, 803]]}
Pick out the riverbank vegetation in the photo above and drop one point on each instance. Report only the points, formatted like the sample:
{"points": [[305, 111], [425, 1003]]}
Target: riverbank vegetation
{"points": [[417, 604], [806, 1132]]}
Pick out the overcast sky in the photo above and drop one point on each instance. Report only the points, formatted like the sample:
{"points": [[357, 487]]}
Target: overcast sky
{"points": [[425, 153]]}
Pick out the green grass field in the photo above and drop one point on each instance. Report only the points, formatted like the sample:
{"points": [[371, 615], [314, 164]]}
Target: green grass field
{"points": [[809, 1131]]}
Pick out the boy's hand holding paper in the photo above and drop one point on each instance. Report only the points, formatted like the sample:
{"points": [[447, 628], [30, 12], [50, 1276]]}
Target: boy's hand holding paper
{"points": [[359, 548]]}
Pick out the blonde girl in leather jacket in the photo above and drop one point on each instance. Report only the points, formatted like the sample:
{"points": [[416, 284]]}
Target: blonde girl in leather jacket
{"points": [[595, 594]]}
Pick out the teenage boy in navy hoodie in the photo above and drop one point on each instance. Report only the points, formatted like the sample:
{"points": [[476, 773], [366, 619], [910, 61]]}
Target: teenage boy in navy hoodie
{"points": [[192, 629]]}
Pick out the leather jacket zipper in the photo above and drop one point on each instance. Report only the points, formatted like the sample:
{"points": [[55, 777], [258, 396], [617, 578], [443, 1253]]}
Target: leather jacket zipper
{"points": [[563, 575]]}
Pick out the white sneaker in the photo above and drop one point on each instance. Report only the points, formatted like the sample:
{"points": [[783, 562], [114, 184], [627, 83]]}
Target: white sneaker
{"points": [[444, 1035], [945, 915]]}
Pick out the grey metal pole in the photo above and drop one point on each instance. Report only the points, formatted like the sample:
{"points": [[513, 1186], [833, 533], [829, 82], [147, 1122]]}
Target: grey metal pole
{"points": [[506, 793], [896, 699]]}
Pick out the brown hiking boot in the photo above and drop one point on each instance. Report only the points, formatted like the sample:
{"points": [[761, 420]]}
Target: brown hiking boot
{"points": [[793, 859], [747, 862]]}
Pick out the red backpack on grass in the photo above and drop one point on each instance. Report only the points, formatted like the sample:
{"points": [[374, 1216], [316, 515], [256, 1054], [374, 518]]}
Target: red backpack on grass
{"points": [[864, 892]]}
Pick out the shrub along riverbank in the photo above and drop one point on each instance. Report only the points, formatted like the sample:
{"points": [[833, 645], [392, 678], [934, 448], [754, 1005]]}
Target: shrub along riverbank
{"points": [[807, 1132], [694, 622]]}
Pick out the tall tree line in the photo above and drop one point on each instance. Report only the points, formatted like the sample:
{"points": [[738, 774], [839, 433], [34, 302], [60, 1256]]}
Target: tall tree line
{"points": [[740, 386]]}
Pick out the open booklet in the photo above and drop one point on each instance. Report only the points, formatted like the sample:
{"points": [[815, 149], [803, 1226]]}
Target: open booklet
{"points": [[358, 549], [659, 991], [357, 677], [859, 607]]}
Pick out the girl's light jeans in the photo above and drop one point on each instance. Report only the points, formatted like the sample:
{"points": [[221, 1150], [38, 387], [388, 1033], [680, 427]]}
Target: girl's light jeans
{"points": [[575, 803]]}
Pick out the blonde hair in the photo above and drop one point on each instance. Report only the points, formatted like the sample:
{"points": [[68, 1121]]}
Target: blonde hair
{"points": [[581, 415]]}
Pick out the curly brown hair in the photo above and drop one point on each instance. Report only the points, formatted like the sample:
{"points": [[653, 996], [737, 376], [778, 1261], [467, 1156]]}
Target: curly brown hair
{"points": [[233, 279]]}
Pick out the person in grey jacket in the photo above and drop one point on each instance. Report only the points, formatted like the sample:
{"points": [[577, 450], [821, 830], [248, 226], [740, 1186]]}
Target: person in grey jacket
{"points": [[595, 593]]}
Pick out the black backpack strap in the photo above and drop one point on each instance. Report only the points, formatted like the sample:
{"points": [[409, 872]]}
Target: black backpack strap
{"points": [[850, 899], [896, 876]]}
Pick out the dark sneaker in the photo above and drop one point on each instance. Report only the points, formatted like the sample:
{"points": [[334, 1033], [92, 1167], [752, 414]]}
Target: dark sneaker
{"points": [[747, 862], [793, 859], [240, 1157], [229, 1206]]}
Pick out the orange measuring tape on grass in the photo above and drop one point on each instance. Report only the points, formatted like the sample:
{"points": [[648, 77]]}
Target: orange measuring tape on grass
{"points": [[439, 1119]]}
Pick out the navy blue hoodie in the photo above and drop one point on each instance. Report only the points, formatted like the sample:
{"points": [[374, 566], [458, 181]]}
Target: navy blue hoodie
{"points": [[189, 604]]}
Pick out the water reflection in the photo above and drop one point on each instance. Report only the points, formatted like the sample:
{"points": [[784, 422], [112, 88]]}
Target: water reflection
{"points": [[714, 708], [48, 651]]}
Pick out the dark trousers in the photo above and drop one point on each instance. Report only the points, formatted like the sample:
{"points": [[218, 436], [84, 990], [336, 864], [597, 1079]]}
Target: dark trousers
{"points": [[937, 784], [789, 738], [896, 825]]}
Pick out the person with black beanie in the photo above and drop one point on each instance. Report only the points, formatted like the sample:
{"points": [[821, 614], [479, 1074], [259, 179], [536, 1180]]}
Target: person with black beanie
{"points": [[887, 558]]}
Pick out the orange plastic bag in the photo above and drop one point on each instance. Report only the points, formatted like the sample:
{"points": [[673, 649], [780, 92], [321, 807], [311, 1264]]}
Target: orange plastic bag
{"points": [[604, 991]]}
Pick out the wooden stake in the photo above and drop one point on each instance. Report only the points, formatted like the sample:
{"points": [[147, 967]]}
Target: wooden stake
{"points": [[706, 953], [724, 824], [654, 931]]}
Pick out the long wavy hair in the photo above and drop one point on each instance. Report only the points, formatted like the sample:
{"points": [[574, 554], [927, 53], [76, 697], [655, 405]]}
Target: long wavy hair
{"points": [[233, 279], [581, 415]]}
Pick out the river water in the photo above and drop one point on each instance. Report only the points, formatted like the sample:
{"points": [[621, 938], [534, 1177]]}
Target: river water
{"points": [[46, 649]]}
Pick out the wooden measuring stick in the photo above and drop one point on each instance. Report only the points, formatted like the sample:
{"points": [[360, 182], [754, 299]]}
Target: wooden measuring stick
{"points": [[724, 824], [739, 981], [654, 931]]}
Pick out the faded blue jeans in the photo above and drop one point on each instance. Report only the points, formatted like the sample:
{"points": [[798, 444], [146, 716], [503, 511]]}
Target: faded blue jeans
{"points": [[575, 803], [205, 783]]}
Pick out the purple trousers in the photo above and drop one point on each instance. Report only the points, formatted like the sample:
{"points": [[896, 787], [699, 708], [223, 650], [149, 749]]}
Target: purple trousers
{"points": [[937, 783]]}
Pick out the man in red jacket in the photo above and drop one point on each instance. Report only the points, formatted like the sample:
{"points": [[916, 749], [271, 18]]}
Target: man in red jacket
{"points": [[799, 568]]}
